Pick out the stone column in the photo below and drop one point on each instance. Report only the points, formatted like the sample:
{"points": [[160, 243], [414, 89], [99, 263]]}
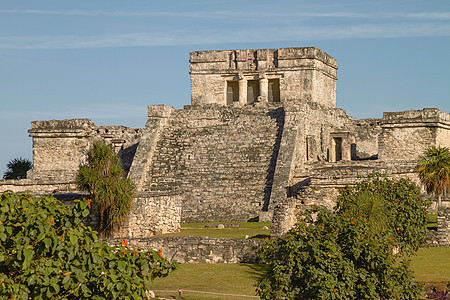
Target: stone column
{"points": [[264, 88], [242, 91]]}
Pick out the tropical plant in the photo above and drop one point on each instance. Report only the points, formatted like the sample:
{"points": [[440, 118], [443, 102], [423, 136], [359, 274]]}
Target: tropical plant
{"points": [[389, 205], [47, 253], [434, 171], [104, 178], [17, 168], [344, 254]]}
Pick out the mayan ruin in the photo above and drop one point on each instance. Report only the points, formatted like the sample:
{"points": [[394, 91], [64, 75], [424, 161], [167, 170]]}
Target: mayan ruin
{"points": [[261, 141]]}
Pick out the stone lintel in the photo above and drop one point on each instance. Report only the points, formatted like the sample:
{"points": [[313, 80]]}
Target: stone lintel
{"points": [[55, 133], [215, 56], [269, 71], [340, 134], [61, 128], [417, 124]]}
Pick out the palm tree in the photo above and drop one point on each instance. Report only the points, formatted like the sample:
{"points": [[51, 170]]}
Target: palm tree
{"points": [[17, 168], [434, 170], [104, 178]]}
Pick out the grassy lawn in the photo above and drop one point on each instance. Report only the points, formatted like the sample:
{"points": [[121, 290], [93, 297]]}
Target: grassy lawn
{"points": [[252, 229], [236, 279], [430, 265]]}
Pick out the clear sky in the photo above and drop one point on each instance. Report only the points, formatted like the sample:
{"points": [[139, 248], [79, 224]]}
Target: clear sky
{"points": [[107, 60]]}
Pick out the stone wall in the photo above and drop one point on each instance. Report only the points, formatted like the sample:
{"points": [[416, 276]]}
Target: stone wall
{"points": [[152, 213], [60, 146], [406, 135], [306, 137], [38, 187], [321, 182], [443, 226], [302, 73], [201, 249], [366, 133]]}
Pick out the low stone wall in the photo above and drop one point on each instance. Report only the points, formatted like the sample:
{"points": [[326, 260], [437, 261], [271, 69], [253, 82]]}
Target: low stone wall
{"points": [[443, 226], [201, 249], [441, 236], [38, 187], [152, 213]]}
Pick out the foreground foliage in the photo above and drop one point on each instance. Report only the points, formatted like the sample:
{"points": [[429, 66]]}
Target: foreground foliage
{"points": [[104, 178], [17, 168], [391, 207], [46, 253], [351, 253]]}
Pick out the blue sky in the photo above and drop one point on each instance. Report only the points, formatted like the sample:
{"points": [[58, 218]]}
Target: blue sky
{"points": [[108, 60]]}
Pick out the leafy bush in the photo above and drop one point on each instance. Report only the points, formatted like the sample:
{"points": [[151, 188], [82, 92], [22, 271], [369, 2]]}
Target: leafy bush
{"points": [[392, 206], [46, 253], [17, 168], [104, 178], [345, 254]]}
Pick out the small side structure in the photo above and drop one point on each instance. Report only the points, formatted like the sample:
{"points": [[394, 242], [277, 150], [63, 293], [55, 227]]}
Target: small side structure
{"points": [[262, 140]]}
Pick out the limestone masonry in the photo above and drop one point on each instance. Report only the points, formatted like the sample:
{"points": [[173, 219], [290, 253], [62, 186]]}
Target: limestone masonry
{"points": [[261, 140]]}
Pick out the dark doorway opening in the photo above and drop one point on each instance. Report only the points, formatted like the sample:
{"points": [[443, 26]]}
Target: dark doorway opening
{"points": [[232, 92], [338, 148], [252, 91], [274, 90]]}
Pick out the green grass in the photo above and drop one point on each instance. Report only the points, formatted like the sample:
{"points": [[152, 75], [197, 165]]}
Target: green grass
{"points": [[252, 229], [430, 266], [236, 279]]}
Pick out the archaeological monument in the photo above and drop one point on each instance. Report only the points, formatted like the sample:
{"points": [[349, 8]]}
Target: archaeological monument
{"points": [[261, 140]]}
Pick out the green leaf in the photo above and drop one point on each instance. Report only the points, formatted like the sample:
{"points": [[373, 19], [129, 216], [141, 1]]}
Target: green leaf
{"points": [[40, 236], [55, 287], [9, 230], [73, 239], [49, 293], [28, 254], [85, 213], [121, 265], [31, 279], [66, 279], [80, 277], [48, 242], [85, 289]]}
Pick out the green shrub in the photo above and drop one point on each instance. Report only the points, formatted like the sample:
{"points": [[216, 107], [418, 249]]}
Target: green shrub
{"points": [[345, 254], [393, 206], [46, 253]]}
